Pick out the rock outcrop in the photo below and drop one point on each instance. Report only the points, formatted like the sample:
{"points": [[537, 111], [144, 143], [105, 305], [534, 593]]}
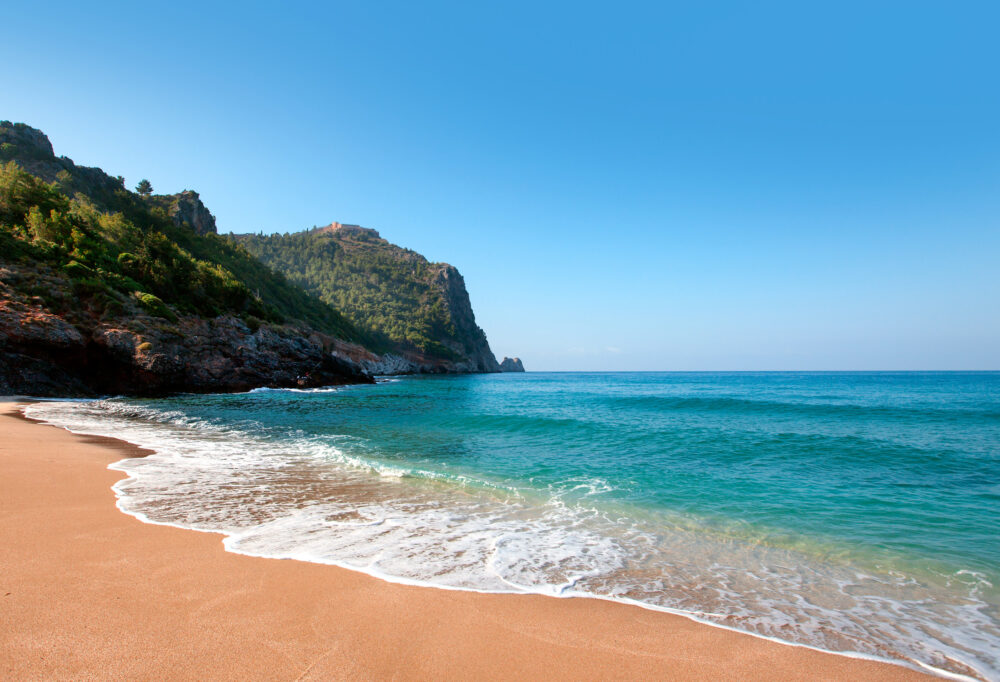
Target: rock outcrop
{"points": [[392, 364], [186, 208], [33, 151], [27, 143], [373, 365], [511, 365]]}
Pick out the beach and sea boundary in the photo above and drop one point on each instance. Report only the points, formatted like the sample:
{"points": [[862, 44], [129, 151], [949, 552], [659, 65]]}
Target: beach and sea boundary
{"points": [[89, 592]]}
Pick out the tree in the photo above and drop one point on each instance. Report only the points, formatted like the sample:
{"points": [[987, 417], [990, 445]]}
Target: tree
{"points": [[144, 187]]}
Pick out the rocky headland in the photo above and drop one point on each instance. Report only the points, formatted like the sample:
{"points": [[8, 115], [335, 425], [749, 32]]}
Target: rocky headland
{"points": [[419, 312], [103, 290]]}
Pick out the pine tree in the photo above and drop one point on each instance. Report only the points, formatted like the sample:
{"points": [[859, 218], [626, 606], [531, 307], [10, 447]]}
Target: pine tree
{"points": [[145, 188]]}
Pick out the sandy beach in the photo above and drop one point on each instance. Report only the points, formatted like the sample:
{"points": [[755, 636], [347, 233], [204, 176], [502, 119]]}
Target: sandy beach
{"points": [[87, 592]]}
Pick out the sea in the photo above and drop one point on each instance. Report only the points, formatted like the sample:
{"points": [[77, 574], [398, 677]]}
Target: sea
{"points": [[857, 513]]}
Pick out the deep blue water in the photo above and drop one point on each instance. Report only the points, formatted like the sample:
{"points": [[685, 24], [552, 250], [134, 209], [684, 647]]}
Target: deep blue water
{"points": [[850, 511]]}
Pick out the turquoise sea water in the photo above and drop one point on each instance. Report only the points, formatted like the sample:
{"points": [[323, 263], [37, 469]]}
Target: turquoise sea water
{"points": [[856, 512]]}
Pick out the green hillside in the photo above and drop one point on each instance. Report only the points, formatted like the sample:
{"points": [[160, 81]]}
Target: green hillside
{"points": [[116, 246], [410, 303]]}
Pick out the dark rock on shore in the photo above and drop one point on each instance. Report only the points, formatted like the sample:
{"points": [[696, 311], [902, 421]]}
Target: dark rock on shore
{"points": [[42, 353]]}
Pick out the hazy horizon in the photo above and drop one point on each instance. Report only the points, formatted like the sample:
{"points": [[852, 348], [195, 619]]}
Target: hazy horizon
{"points": [[709, 188]]}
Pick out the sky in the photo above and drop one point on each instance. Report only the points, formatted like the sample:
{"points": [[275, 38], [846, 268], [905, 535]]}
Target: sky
{"points": [[624, 186]]}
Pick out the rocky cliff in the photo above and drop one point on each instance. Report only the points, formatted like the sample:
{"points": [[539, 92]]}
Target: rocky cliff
{"points": [[186, 209], [511, 365], [76, 353], [468, 340]]}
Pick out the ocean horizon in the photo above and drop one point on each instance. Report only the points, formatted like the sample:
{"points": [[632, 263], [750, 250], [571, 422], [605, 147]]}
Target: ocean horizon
{"points": [[853, 512]]}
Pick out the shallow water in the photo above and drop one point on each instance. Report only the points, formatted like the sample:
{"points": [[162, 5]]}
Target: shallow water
{"points": [[851, 512]]}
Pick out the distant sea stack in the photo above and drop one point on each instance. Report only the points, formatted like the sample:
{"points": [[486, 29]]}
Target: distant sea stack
{"points": [[511, 365]]}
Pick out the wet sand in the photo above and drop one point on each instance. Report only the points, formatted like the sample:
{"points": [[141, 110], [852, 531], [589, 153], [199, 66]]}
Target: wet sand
{"points": [[87, 592]]}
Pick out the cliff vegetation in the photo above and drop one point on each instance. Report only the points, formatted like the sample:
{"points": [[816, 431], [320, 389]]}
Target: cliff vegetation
{"points": [[107, 290], [411, 306], [114, 245]]}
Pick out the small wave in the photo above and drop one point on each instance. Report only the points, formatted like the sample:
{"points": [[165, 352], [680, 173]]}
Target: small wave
{"points": [[320, 389]]}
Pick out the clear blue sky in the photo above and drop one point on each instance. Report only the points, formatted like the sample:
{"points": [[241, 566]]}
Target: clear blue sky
{"points": [[624, 185]]}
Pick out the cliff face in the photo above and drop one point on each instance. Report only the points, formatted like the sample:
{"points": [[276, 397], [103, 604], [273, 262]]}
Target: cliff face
{"points": [[468, 340], [419, 312]]}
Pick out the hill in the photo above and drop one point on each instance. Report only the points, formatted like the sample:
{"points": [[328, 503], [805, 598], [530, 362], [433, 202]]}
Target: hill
{"points": [[104, 290], [417, 310]]}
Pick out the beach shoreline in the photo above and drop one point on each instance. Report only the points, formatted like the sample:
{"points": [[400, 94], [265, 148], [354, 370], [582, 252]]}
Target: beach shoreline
{"points": [[89, 591]]}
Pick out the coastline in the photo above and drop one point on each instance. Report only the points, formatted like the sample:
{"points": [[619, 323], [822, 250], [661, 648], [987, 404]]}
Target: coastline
{"points": [[91, 592]]}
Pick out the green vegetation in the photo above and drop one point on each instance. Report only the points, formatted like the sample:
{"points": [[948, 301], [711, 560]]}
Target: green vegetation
{"points": [[155, 306], [376, 284], [119, 251], [114, 246]]}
